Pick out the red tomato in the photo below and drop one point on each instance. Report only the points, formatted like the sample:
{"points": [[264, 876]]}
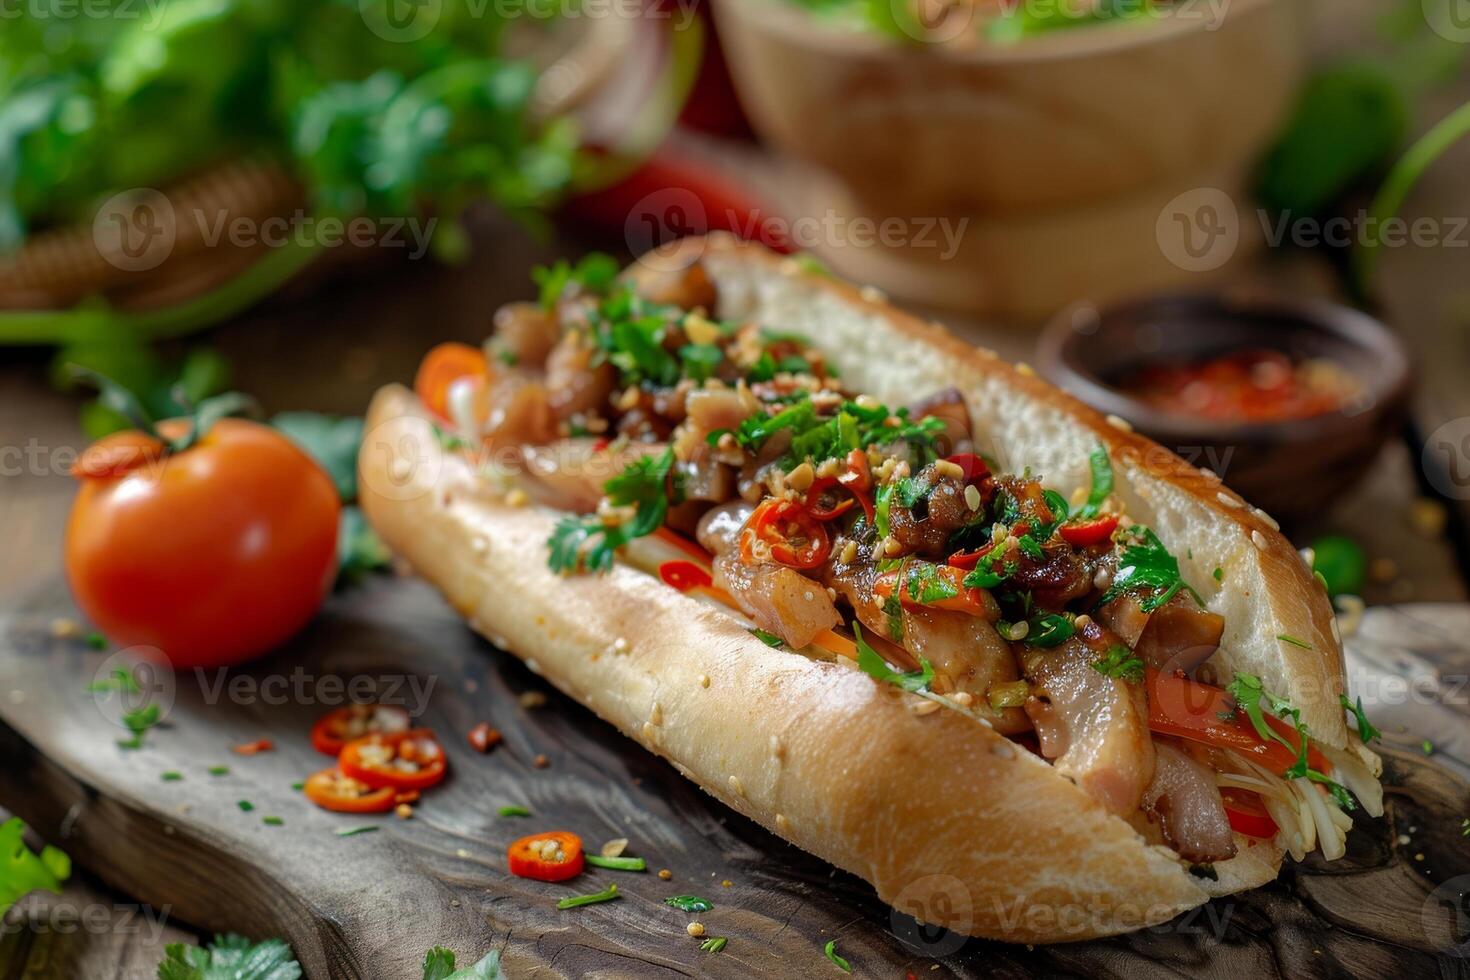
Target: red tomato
{"points": [[1188, 709], [405, 760], [553, 856], [441, 367], [213, 555], [331, 790], [794, 537], [1085, 533], [1247, 814], [336, 728]]}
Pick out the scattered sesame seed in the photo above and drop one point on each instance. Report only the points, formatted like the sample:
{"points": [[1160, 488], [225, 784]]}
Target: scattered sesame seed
{"points": [[461, 853], [850, 550], [694, 929], [63, 628], [704, 680], [973, 500], [479, 545], [873, 294], [736, 786], [783, 824], [615, 847], [1266, 519], [403, 811], [726, 883], [923, 708], [541, 762], [1227, 499], [1120, 423], [1259, 540], [533, 699], [665, 874], [656, 714], [1023, 368]]}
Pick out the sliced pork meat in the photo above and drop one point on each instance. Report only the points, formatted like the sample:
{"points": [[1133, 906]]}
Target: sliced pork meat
{"points": [[517, 412], [578, 385], [1179, 635], [779, 599], [524, 335], [689, 288], [719, 528], [967, 655], [569, 474], [1186, 800], [939, 510], [1093, 726]]}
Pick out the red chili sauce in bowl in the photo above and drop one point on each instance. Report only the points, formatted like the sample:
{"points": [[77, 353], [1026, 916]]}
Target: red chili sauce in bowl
{"points": [[1254, 385]]}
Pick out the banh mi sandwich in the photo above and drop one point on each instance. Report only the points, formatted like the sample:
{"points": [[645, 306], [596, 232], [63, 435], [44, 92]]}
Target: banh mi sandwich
{"points": [[911, 608]]}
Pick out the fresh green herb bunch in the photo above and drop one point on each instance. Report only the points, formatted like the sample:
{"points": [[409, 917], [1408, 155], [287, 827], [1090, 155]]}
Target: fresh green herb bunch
{"points": [[374, 121]]}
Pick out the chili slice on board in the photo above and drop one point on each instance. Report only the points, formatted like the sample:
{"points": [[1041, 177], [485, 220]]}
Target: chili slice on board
{"points": [[555, 855], [404, 760], [336, 728], [331, 790]]}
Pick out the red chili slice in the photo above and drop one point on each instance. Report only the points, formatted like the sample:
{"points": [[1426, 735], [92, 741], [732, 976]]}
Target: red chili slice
{"points": [[553, 856], [404, 760], [794, 537], [825, 514], [254, 748], [1246, 813], [969, 559], [331, 790], [684, 575], [855, 474], [1086, 533], [338, 727], [973, 466]]}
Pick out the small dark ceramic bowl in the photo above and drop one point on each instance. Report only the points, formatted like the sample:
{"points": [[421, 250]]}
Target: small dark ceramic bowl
{"points": [[1292, 469]]}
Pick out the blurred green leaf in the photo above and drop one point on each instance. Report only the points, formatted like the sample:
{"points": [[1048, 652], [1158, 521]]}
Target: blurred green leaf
{"points": [[331, 440]]}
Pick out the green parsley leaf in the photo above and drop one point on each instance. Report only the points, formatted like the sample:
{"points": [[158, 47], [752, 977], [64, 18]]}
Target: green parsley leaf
{"points": [[985, 575], [229, 957], [1303, 644], [330, 440], [245, 806], [119, 680], [273, 821], [514, 811], [870, 663], [926, 586], [578, 541], [1247, 692], [1120, 663], [714, 944], [171, 776], [594, 273], [96, 641], [830, 951], [700, 361], [607, 895], [219, 770], [769, 639], [23, 871], [1427, 746], [439, 965], [1146, 564], [1219, 574], [1030, 547], [689, 903], [1366, 731]]}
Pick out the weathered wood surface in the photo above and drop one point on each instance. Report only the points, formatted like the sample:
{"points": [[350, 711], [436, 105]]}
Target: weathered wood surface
{"points": [[368, 906]]}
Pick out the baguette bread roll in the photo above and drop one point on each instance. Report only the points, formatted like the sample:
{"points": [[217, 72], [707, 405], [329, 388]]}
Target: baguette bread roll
{"points": [[950, 821]]}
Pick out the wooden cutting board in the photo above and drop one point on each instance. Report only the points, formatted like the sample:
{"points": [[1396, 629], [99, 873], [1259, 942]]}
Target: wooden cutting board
{"points": [[368, 906]]}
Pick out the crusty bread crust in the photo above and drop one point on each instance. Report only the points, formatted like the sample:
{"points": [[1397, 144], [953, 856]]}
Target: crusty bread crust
{"points": [[951, 822]]}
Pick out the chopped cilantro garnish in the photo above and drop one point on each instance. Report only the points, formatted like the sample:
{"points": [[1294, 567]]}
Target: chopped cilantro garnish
{"points": [[617, 863], [1219, 574], [700, 360], [171, 776], [272, 821], [354, 831], [1030, 547], [985, 575], [1366, 731], [893, 617], [870, 663], [610, 893], [926, 586], [1427, 746], [588, 540], [714, 944], [96, 641], [514, 811], [1121, 664], [1051, 630], [118, 680], [1284, 638], [1146, 564], [219, 770], [245, 806], [689, 903], [595, 273], [769, 639], [831, 953]]}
